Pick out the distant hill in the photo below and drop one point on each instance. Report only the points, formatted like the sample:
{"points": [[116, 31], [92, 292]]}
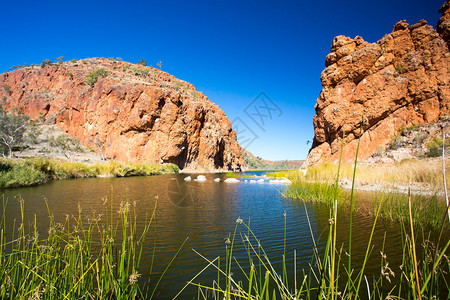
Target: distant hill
{"points": [[252, 162]]}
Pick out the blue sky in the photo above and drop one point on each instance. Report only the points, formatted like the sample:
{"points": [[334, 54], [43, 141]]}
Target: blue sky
{"points": [[230, 50]]}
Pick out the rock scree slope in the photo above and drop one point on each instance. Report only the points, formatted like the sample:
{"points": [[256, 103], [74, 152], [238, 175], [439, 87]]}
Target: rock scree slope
{"points": [[399, 81], [128, 112]]}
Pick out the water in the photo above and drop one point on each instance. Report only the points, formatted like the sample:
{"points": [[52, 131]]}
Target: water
{"points": [[206, 213]]}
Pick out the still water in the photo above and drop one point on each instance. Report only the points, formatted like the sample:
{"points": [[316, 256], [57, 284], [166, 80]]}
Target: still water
{"points": [[206, 213]]}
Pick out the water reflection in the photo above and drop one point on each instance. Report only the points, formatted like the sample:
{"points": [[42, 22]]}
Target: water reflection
{"points": [[206, 212]]}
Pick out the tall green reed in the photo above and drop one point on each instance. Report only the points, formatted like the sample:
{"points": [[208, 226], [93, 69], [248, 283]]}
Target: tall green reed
{"points": [[75, 259], [321, 280]]}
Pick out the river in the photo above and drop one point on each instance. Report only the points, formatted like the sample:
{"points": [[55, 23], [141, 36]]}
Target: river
{"points": [[206, 213]]}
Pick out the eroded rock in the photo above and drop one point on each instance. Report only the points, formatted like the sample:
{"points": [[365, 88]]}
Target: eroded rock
{"points": [[374, 89], [133, 114]]}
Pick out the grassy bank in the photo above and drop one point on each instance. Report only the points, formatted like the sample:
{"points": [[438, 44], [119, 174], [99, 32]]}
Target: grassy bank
{"points": [[77, 259], [407, 172], [16, 173]]}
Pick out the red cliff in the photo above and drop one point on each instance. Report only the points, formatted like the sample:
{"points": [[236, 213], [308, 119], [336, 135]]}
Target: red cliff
{"points": [[129, 112], [401, 80]]}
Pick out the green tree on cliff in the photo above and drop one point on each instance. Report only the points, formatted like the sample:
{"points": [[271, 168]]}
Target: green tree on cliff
{"points": [[12, 129]]}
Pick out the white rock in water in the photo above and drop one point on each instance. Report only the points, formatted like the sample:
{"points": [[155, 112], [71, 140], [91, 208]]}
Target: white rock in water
{"points": [[260, 180], [231, 180], [200, 178], [283, 180], [187, 178], [216, 179], [252, 181]]}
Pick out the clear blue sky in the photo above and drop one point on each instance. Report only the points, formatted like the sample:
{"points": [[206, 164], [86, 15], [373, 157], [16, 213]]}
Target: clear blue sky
{"points": [[230, 50]]}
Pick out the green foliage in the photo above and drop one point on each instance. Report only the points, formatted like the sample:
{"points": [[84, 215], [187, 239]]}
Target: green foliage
{"points": [[15, 173], [396, 142], [426, 211], [46, 62], [98, 257], [19, 174], [141, 72], [399, 69], [66, 143], [257, 163], [177, 85], [92, 77], [142, 62], [317, 192], [74, 60], [60, 59], [70, 75], [434, 147], [420, 138]]}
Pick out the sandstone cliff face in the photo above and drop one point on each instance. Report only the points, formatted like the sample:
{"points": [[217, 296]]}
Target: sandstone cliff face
{"points": [[135, 113], [401, 80]]}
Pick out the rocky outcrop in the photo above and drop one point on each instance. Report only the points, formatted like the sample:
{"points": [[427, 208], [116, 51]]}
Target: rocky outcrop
{"points": [[443, 26], [371, 90], [131, 113]]}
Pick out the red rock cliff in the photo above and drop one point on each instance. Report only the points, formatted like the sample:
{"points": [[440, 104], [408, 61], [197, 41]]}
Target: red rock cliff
{"points": [[401, 80], [135, 113]]}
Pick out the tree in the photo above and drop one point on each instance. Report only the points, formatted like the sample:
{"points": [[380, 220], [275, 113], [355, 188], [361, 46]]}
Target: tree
{"points": [[46, 62], [12, 129], [159, 64], [142, 62]]}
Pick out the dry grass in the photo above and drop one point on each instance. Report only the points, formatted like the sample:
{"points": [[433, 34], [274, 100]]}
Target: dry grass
{"points": [[416, 171]]}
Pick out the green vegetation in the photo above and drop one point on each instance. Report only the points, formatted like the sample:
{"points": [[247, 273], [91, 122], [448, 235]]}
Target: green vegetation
{"points": [[46, 62], [329, 276], [177, 85], [257, 163], [60, 59], [70, 75], [97, 259], [16, 173], [317, 192], [142, 62], [92, 77], [141, 72], [399, 69], [426, 210], [434, 147]]}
